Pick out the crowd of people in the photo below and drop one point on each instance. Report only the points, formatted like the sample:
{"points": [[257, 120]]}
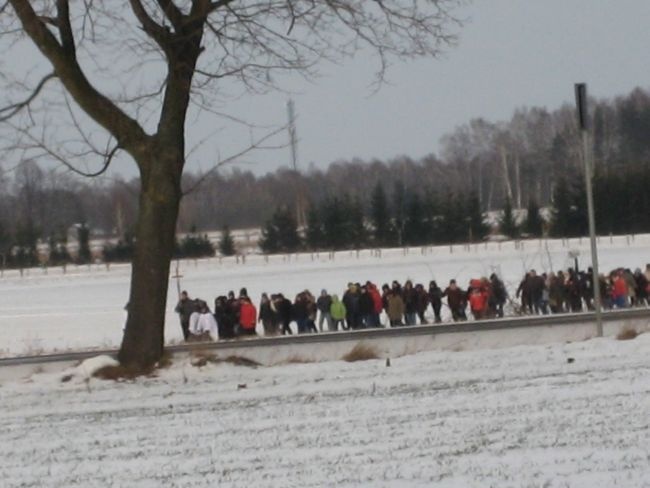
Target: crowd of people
{"points": [[364, 306]]}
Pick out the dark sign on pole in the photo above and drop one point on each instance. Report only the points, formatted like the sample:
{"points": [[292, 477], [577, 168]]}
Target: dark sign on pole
{"points": [[581, 105]]}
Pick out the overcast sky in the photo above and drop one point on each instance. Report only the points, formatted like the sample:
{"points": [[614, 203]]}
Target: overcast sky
{"points": [[511, 53]]}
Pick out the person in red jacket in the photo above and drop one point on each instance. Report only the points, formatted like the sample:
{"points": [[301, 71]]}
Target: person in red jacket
{"points": [[477, 300], [378, 304], [619, 290], [247, 316]]}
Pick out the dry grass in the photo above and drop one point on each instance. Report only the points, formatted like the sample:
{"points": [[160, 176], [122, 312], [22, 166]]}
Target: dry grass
{"points": [[205, 337], [201, 358], [297, 360], [120, 372], [361, 352], [241, 361], [627, 334]]}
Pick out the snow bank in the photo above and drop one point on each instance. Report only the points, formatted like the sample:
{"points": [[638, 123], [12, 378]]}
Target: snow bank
{"points": [[553, 416]]}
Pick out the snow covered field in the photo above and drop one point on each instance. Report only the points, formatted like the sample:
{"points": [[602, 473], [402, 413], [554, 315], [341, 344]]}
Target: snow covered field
{"points": [[84, 308], [518, 417]]}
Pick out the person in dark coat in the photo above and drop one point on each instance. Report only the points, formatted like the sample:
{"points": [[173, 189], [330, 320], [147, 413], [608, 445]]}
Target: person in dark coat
{"points": [[351, 301], [587, 288], [323, 304], [284, 309], [267, 316], [184, 309], [574, 295], [456, 300], [537, 289], [421, 302], [366, 308], [435, 299], [224, 318], [233, 307], [523, 291], [312, 311], [301, 313], [385, 291], [642, 287], [410, 303], [498, 296]]}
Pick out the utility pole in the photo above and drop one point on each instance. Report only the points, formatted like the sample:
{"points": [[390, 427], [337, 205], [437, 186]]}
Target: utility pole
{"points": [[583, 124], [292, 134], [293, 142]]}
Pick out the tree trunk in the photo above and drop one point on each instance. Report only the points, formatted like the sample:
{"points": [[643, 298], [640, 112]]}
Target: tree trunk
{"points": [[143, 341], [506, 176], [518, 181]]}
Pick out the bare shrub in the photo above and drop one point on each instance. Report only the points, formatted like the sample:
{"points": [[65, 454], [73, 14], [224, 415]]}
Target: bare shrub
{"points": [[120, 372], [361, 352], [627, 334], [203, 357], [297, 360], [241, 361]]}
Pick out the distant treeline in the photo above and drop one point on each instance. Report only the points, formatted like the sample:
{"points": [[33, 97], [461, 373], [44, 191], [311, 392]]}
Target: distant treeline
{"points": [[532, 159]]}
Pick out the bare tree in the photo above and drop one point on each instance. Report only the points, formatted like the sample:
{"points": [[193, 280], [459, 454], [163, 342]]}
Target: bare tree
{"points": [[184, 50]]}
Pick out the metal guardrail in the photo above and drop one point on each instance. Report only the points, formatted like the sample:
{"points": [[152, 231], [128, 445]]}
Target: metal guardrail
{"points": [[355, 335]]}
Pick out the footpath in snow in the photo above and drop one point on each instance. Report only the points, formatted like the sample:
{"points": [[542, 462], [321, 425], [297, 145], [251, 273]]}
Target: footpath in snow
{"points": [[564, 415]]}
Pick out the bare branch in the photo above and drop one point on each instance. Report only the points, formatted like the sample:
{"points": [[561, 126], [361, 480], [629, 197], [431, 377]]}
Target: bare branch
{"points": [[157, 32], [7, 112], [254, 145], [37, 143], [127, 131]]}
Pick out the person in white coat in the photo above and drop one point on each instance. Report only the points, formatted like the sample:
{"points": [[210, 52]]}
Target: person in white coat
{"points": [[203, 322]]}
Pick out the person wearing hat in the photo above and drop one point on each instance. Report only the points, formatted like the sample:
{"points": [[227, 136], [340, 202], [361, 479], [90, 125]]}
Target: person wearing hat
{"points": [[323, 304], [184, 309]]}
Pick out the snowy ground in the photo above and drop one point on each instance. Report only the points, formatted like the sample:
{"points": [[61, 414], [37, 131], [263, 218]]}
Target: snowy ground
{"points": [[84, 308], [519, 417]]}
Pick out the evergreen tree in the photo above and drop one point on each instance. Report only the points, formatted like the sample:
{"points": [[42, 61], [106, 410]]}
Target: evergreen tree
{"points": [[58, 250], [280, 234], [26, 239], [83, 238], [287, 231], [314, 237], [432, 218], [226, 243], [355, 225], [123, 251], [478, 229], [380, 216], [507, 225], [335, 228], [452, 226], [6, 243], [415, 229], [561, 223], [533, 224], [270, 240], [194, 246], [570, 209], [399, 210]]}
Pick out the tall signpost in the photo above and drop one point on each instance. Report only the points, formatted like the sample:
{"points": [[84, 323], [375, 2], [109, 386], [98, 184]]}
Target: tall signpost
{"points": [[583, 124]]}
